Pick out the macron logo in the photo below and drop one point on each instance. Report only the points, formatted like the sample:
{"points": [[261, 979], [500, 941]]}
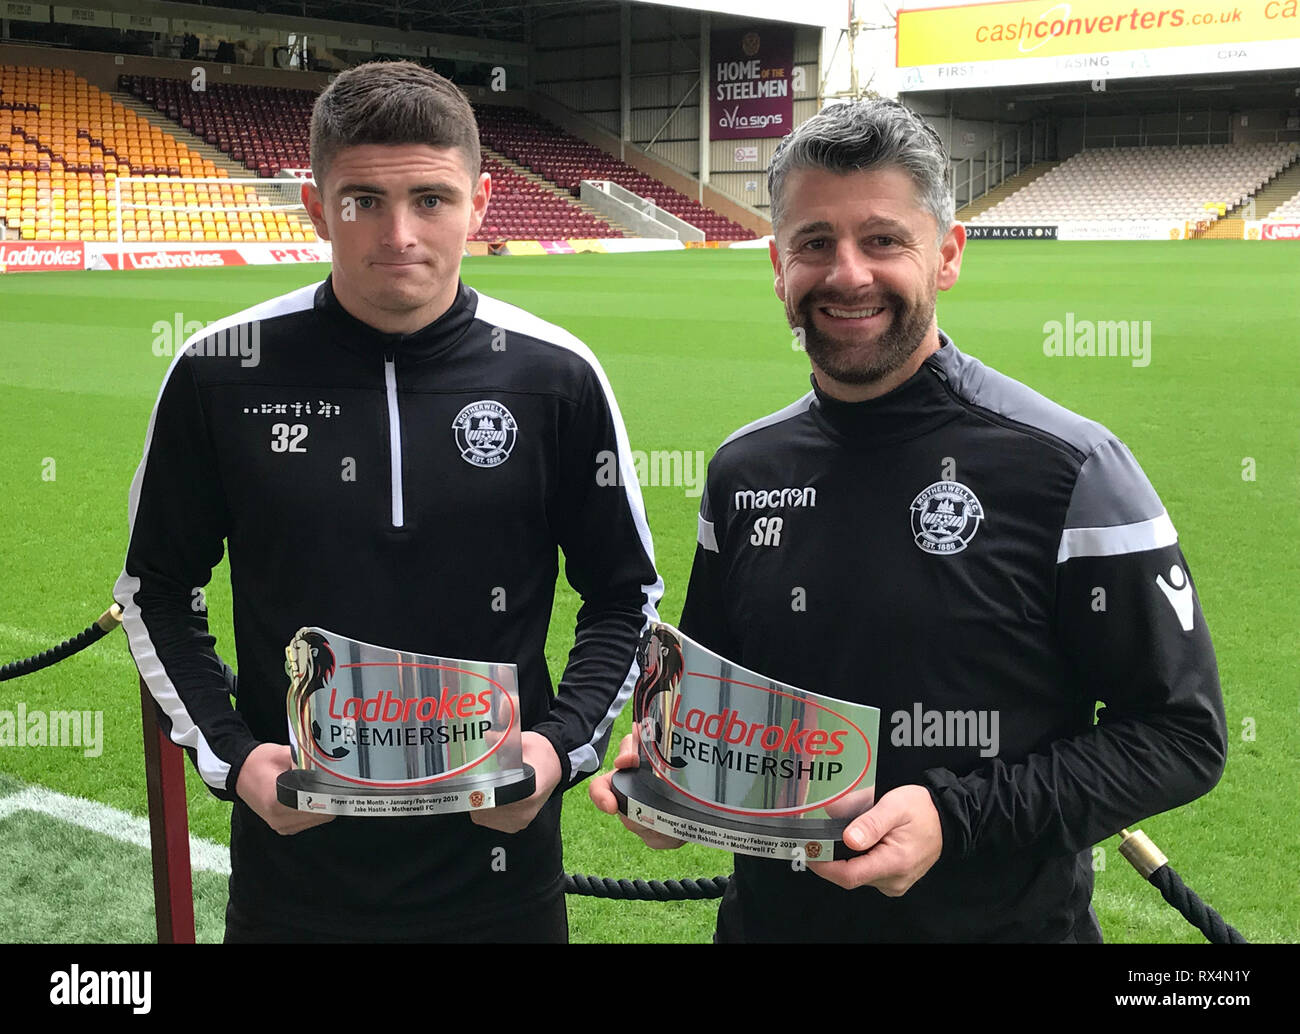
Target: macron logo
{"points": [[124, 987], [748, 499], [1178, 591]]}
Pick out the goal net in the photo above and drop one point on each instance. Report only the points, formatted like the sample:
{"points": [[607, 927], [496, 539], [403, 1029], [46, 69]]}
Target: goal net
{"points": [[161, 209]]}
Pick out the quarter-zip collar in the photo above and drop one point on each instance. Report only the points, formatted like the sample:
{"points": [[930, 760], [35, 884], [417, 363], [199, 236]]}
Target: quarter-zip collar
{"points": [[917, 406], [425, 343]]}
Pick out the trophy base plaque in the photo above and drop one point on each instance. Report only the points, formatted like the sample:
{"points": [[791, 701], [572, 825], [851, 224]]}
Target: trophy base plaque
{"points": [[307, 791], [642, 800]]}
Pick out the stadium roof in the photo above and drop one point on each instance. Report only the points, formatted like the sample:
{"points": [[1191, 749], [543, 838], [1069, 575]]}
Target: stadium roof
{"points": [[510, 19]]}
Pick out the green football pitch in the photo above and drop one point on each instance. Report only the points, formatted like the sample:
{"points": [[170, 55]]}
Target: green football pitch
{"points": [[695, 345]]}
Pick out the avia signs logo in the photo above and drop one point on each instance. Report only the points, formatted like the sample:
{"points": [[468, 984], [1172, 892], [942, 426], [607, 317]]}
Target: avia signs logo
{"points": [[41, 256]]}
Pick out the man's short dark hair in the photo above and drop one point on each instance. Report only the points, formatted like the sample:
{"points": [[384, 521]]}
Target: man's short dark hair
{"points": [[392, 102], [864, 136]]}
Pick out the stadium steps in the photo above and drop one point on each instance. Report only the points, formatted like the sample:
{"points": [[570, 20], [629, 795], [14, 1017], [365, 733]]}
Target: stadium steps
{"points": [[1282, 187], [559, 192], [217, 157], [1004, 190]]}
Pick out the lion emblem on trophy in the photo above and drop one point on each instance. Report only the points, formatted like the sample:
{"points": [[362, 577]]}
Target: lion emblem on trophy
{"points": [[309, 663], [660, 657]]}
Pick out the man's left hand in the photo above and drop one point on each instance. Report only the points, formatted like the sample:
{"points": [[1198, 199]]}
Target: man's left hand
{"points": [[902, 839], [511, 818]]}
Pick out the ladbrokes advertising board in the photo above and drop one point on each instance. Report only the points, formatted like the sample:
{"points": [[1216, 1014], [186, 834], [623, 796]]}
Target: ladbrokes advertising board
{"points": [[41, 256]]}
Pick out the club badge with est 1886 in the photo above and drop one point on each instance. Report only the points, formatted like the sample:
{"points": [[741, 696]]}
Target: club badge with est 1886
{"points": [[736, 760], [383, 732]]}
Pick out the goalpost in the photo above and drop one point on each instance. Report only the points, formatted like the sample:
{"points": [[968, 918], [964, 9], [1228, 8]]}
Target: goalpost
{"points": [[180, 210]]}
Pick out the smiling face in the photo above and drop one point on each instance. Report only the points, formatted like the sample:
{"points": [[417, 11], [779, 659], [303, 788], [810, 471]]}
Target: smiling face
{"points": [[858, 267], [397, 216]]}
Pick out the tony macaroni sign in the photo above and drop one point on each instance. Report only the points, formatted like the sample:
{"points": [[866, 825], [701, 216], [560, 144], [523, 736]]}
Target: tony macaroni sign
{"points": [[376, 731], [736, 760]]}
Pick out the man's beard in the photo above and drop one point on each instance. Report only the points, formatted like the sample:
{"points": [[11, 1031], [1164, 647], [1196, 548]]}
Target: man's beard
{"points": [[907, 328]]}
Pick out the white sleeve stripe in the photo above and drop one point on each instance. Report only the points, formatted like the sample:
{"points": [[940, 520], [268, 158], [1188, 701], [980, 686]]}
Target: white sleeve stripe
{"points": [[184, 733], [1119, 539], [706, 536]]}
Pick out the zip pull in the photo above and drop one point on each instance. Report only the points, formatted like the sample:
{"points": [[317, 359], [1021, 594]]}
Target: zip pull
{"points": [[394, 439]]}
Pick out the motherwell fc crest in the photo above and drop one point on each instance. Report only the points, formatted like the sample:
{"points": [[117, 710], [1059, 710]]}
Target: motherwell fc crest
{"points": [[945, 517], [485, 433]]}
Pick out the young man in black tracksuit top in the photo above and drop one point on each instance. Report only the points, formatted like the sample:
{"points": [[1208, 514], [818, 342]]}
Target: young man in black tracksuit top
{"points": [[395, 457], [957, 545]]}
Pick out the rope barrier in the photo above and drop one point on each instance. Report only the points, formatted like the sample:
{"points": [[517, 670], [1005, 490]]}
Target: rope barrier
{"points": [[646, 890], [1154, 867], [108, 621]]}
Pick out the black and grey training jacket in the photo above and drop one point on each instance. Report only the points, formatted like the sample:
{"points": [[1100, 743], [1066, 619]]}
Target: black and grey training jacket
{"points": [[984, 566], [408, 490]]}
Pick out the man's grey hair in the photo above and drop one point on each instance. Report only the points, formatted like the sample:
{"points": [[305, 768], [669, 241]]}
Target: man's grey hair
{"points": [[862, 136]]}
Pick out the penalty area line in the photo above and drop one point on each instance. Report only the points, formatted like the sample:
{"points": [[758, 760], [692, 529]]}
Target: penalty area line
{"points": [[205, 855]]}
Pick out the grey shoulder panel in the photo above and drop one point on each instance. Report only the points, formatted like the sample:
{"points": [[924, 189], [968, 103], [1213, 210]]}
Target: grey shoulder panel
{"points": [[788, 413], [1000, 394], [1113, 508], [1111, 490]]}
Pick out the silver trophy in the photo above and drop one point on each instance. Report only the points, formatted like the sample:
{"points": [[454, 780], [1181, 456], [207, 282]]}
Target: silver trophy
{"points": [[733, 759], [375, 731]]}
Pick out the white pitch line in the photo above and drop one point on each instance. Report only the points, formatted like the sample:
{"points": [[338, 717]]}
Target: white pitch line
{"points": [[100, 818]]}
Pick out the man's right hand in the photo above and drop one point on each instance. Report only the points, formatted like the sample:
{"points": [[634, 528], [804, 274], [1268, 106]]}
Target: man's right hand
{"points": [[601, 792], [256, 788]]}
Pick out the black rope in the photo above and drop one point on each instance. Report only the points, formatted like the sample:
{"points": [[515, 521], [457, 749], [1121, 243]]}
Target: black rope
{"points": [[646, 890], [53, 655], [1192, 908]]}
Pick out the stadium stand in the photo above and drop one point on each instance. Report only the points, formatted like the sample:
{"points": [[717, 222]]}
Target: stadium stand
{"points": [[1281, 198], [540, 145], [266, 129], [1288, 209], [66, 144], [263, 127], [525, 209], [1172, 183]]}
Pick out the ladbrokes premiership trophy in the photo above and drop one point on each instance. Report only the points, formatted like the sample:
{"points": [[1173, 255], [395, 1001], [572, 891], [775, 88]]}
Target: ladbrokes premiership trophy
{"points": [[375, 731], [733, 759]]}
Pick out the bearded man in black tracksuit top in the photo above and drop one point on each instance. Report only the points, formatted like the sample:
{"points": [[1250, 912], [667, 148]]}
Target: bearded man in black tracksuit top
{"points": [[395, 457], [953, 545]]}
